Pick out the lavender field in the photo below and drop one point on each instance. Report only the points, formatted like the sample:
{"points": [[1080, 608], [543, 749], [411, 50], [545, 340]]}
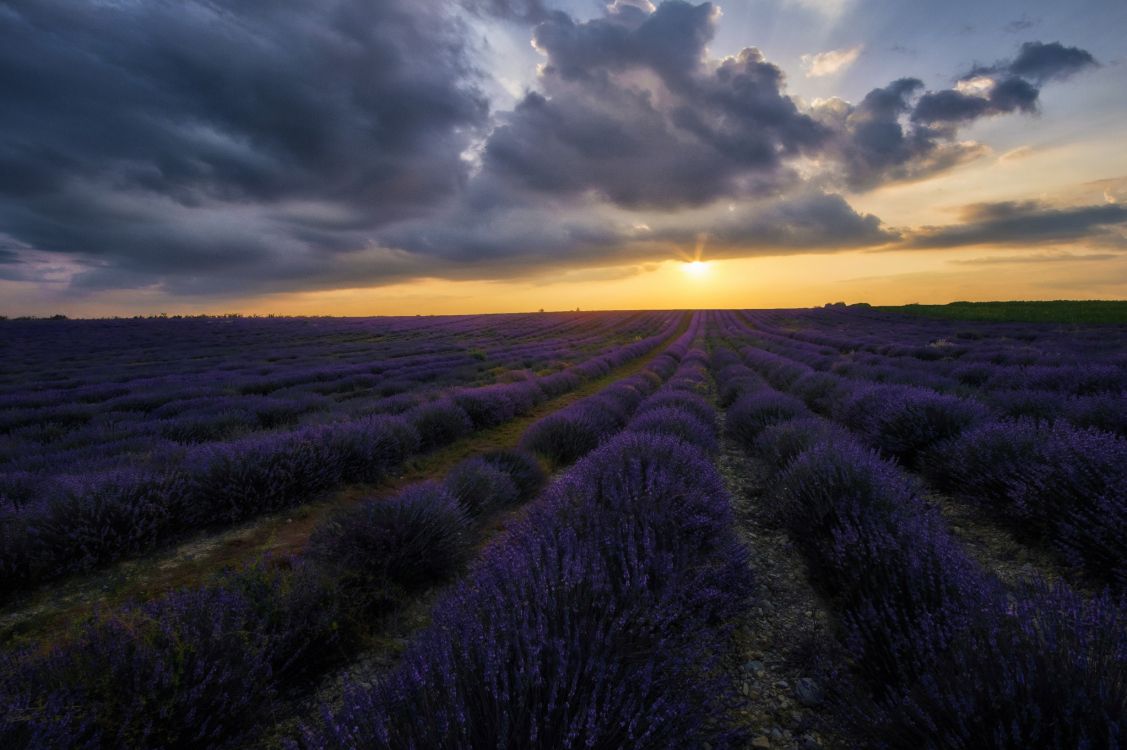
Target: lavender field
{"points": [[835, 527]]}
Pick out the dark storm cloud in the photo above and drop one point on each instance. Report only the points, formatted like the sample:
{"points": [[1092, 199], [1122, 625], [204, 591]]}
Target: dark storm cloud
{"points": [[250, 102], [872, 144], [1023, 222], [1038, 63], [670, 41], [163, 137], [810, 221], [1008, 95], [1045, 62], [222, 147], [875, 145], [632, 111], [520, 236]]}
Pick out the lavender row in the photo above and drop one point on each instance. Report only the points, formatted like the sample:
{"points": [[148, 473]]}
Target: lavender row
{"points": [[570, 433], [895, 336], [150, 421], [598, 622], [95, 520], [146, 676], [86, 360], [1062, 483], [1084, 387], [949, 657], [262, 370], [206, 667]]}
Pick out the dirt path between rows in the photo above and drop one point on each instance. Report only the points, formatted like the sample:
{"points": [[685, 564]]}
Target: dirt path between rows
{"points": [[788, 640]]}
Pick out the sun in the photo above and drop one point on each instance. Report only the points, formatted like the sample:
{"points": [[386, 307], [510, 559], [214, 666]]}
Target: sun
{"points": [[695, 268]]}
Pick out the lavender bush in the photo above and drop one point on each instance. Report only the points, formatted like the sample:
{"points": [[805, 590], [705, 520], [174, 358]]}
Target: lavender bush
{"points": [[480, 487], [187, 671], [752, 413], [386, 548], [632, 554], [903, 421], [1066, 483]]}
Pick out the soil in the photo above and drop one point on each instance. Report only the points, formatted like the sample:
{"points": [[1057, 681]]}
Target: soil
{"points": [[787, 644]]}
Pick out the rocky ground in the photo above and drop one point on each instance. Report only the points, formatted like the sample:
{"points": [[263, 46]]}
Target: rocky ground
{"points": [[1008, 555], [787, 644]]}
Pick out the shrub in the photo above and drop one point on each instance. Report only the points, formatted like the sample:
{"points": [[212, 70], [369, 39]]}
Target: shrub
{"points": [[732, 389], [1066, 483], [1042, 405], [779, 371], [821, 391], [189, 670], [480, 487], [204, 428], [16, 551], [521, 467], [367, 449], [566, 435], [1103, 412], [1038, 672], [597, 623], [232, 481], [486, 406], [827, 484], [440, 423], [559, 382], [95, 520], [778, 444], [697, 405], [679, 423], [748, 416], [524, 395], [18, 490], [614, 404], [951, 658], [297, 610], [986, 464], [383, 549], [903, 421]]}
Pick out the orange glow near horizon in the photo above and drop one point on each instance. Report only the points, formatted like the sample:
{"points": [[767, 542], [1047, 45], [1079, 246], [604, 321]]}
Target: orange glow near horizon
{"points": [[779, 281], [685, 278]]}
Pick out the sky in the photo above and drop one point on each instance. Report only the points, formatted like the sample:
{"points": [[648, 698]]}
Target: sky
{"points": [[372, 157]]}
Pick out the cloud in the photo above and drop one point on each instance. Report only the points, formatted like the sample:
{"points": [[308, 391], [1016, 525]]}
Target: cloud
{"points": [[1016, 154], [630, 109], [810, 221], [1045, 62], [200, 138], [218, 147], [513, 237], [902, 133], [1048, 257], [1038, 62], [1023, 222], [829, 63], [952, 106], [872, 146]]}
